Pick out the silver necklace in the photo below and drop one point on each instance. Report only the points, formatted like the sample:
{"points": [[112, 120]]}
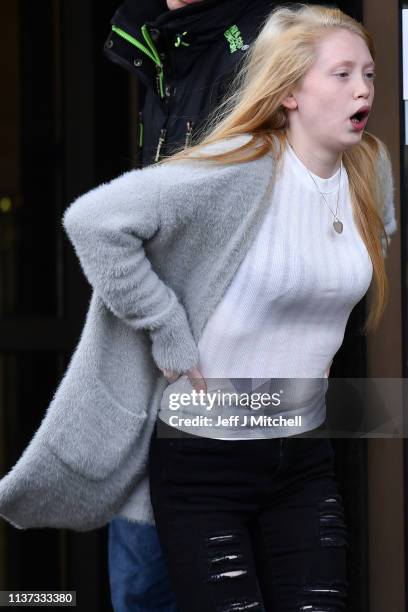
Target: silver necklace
{"points": [[337, 224]]}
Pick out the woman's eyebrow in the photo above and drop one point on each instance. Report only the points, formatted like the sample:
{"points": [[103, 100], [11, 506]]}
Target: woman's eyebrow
{"points": [[351, 63]]}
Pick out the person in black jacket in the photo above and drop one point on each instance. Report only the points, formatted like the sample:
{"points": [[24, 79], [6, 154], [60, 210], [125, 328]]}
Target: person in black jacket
{"points": [[184, 59]]}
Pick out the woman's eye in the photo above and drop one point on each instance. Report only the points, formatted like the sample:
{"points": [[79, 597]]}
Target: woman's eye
{"points": [[371, 75]]}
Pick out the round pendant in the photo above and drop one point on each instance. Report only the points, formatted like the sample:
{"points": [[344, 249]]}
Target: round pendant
{"points": [[338, 226]]}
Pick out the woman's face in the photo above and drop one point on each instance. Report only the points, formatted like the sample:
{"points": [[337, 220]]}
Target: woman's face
{"points": [[175, 4], [334, 88]]}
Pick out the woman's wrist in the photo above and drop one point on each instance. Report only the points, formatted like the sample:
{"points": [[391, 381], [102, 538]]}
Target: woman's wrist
{"points": [[173, 344]]}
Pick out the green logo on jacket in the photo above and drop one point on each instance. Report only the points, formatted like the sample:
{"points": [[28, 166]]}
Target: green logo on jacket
{"points": [[233, 35]]}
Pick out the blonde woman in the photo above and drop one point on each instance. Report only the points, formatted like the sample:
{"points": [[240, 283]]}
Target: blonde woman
{"points": [[258, 524], [242, 257]]}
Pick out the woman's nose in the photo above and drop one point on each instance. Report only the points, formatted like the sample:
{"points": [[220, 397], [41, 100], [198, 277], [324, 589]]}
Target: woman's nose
{"points": [[362, 88]]}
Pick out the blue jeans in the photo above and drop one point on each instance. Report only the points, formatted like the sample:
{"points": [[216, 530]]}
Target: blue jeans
{"points": [[250, 525], [137, 572]]}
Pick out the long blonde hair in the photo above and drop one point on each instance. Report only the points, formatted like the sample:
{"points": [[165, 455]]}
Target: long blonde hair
{"points": [[280, 56]]}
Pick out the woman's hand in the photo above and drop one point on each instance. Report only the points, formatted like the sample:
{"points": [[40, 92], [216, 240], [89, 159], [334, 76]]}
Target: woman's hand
{"points": [[194, 374]]}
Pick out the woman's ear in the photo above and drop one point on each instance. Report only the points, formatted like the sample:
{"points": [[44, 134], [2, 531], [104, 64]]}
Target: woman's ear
{"points": [[289, 102]]}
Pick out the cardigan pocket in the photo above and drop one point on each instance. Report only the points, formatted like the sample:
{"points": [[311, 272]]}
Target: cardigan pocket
{"points": [[94, 434]]}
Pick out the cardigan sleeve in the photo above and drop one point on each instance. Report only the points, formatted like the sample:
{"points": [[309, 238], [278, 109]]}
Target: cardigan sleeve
{"points": [[387, 190], [107, 227]]}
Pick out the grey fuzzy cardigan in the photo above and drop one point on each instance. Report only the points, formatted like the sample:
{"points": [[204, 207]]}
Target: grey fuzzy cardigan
{"points": [[159, 246]]}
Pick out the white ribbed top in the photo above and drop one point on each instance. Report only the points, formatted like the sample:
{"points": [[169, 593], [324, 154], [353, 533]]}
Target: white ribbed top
{"points": [[284, 314], [286, 309]]}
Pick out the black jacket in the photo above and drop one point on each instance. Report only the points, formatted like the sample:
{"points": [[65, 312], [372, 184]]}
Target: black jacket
{"points": [[185, 58]]}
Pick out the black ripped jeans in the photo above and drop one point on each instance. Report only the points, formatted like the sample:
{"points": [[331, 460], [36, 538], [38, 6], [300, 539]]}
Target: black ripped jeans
{"points": [[250, 524]]}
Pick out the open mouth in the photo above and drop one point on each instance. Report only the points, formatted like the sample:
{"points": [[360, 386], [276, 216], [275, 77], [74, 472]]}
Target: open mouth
{"points": [[360, 118]]}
